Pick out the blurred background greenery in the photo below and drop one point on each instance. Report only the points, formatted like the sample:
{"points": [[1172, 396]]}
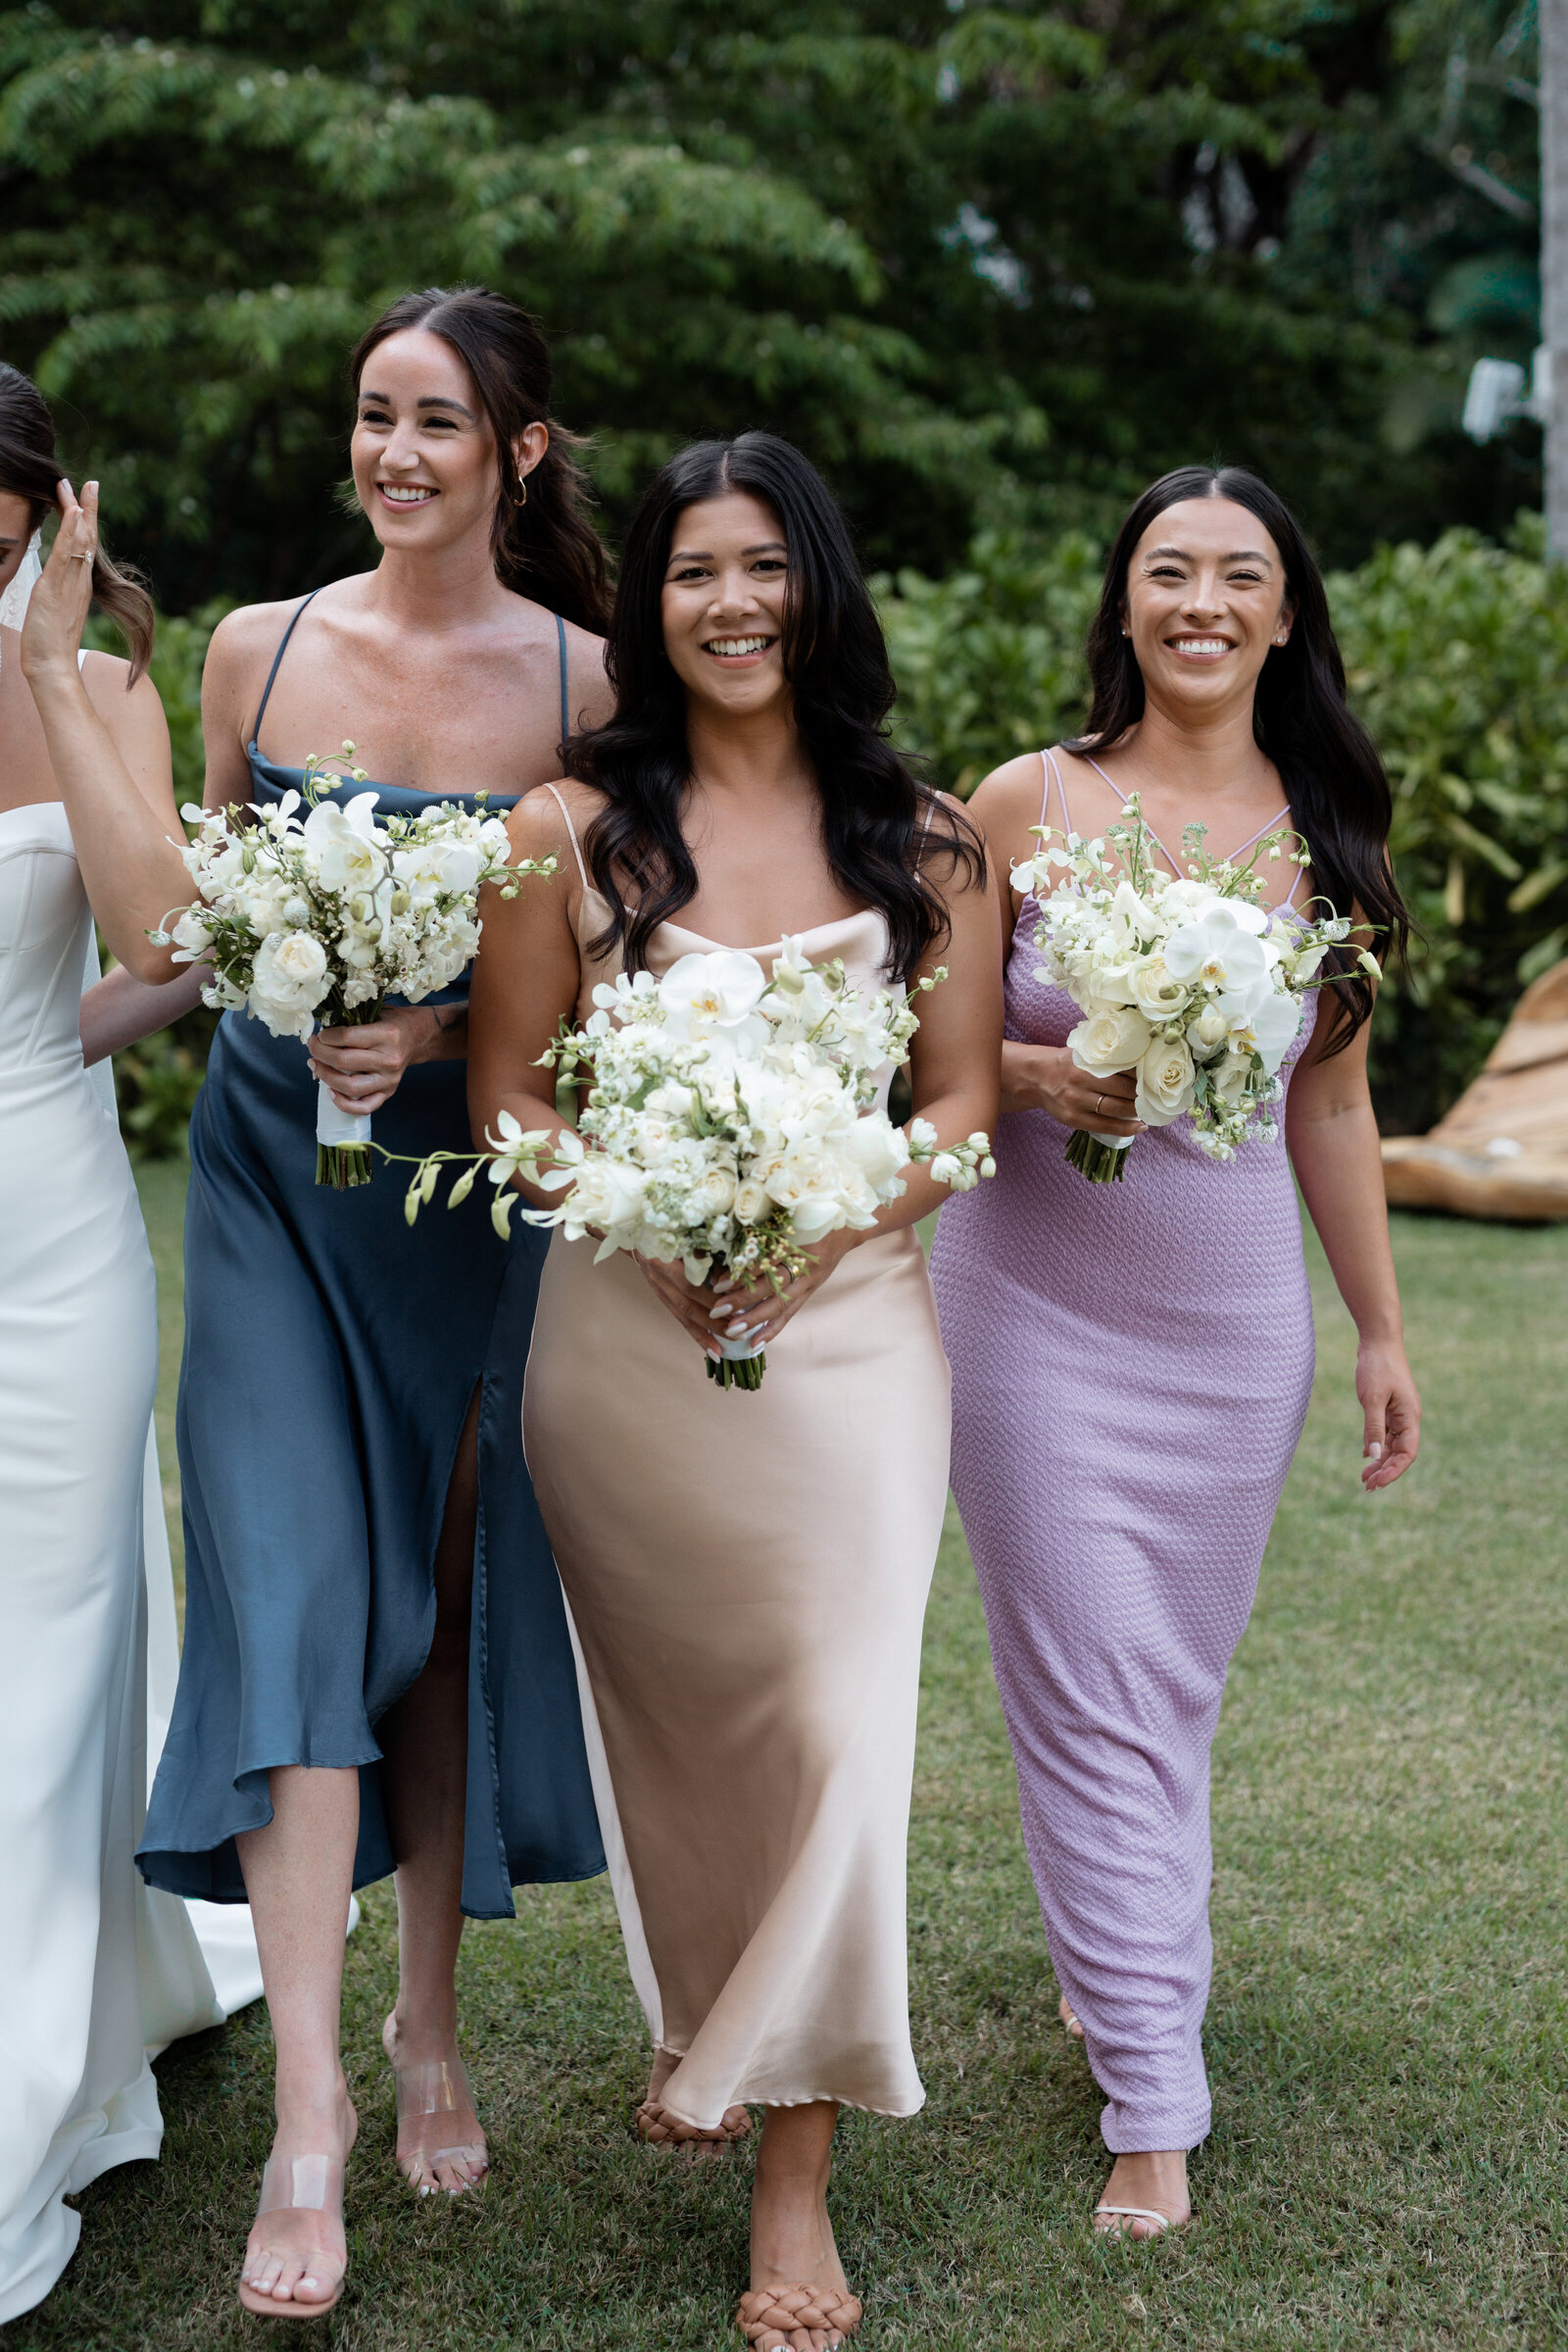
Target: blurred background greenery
{"points": [[993, 267]]}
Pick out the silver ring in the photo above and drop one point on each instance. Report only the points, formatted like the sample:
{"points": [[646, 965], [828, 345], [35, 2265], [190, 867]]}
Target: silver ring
{"points": [[77, 555]]}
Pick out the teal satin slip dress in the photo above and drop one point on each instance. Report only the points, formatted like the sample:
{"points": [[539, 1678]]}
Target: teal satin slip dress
{"points": [[330, 1357]]}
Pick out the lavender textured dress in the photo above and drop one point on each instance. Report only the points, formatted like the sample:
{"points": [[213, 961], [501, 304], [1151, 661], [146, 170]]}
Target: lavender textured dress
{"points": [[1130, 1366]]}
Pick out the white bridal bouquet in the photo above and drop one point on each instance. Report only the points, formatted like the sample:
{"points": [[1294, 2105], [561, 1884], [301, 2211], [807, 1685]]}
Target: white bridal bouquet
{"points": [[1185, 979], [731, 1122], [325, 916]]}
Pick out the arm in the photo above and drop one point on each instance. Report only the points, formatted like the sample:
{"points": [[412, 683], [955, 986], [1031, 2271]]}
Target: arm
{"points": [[1332, 1141], [526, 977], [109, 750], [121, 1010], [1040, 1077]]}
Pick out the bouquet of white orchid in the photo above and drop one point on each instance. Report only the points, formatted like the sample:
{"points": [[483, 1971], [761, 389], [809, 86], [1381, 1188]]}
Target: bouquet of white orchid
{"points": [[731, 1122], [1185, 979], [327, 914]]}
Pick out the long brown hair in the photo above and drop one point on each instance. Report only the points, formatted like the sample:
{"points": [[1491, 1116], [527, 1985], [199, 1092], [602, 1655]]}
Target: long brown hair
{"points": [[30, 469], [541, 539]]}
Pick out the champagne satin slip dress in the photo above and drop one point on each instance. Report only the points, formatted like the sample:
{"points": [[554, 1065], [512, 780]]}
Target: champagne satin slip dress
{"points": [[747, 1577]]}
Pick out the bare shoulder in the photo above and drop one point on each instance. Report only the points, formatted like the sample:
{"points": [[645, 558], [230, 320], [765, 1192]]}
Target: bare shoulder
{"points": [[242, 645], [118, 703], [1008, 800], [539, 826]]}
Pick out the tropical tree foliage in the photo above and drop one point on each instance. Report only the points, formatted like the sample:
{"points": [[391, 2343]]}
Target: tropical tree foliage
{"points": [[993, 265]]}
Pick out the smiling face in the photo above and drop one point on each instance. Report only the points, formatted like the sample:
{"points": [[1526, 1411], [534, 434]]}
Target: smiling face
{"points": [[722, 603], [422, 452], [1206, 601], [16, 529]]}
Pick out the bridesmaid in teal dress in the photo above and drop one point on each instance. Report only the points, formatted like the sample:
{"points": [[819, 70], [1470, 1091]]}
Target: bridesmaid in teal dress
{"points": [[378, 1674]]}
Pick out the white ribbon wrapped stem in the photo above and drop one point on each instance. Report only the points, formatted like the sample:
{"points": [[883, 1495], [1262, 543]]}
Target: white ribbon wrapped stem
{"points": [[741, 1352], [334, 1126]]}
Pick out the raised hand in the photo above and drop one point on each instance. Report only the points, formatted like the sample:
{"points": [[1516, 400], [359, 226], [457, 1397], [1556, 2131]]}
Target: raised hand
{"points": [[57, 609]]}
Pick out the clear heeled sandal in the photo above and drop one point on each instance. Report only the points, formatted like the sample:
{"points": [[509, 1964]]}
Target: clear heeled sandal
{"points": [[301, 2185], [441, 2087]]}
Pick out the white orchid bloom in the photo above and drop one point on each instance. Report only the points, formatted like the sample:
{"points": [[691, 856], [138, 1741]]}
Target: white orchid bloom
{"points": [[704, 993], [348, 849]]}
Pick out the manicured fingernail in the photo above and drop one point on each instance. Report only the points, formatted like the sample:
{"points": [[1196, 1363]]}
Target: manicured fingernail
{"points": [[1375, 1451]]}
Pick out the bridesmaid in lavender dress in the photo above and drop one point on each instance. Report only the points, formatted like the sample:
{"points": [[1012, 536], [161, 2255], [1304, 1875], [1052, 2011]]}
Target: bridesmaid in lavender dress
{"points": [[1132, 1362]]}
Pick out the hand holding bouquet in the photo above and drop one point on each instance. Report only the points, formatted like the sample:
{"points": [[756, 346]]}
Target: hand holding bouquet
{"points": [[1185, 980], [731, 1123], [326, 916]]}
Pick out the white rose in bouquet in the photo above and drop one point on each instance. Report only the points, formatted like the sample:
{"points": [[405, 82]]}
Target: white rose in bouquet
{"points": [[1109, 1039]]}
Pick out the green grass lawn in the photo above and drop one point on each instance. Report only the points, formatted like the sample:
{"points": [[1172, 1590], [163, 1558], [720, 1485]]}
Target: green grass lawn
{"points": [[1389, 2164]]}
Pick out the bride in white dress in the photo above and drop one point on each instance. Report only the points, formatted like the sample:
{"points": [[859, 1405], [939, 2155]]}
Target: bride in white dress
{"points": [[96, 1973]]}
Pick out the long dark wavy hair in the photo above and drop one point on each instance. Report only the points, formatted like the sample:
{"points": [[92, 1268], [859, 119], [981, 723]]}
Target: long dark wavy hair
{"points": [[541, 539], [882, 827], [29, 469], [1328, 763]]}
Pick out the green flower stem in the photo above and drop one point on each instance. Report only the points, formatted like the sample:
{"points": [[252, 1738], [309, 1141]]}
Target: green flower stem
{"points": [[1095, 1158]]}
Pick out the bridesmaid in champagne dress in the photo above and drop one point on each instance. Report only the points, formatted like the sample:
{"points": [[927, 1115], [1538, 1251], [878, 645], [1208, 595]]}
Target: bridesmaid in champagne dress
{"points": [[748, 1573], [1132, 1361]]}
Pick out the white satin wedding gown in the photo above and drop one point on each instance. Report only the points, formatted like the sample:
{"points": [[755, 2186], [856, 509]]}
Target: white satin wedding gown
{"points": [[96, 1973]]}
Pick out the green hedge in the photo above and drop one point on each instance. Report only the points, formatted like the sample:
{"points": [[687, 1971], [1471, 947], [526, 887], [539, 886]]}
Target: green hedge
{"points": [[1458, 658]]}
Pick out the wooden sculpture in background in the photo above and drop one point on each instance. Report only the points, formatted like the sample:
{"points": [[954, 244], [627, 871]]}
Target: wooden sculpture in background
{"points": [[1502, 1149]]}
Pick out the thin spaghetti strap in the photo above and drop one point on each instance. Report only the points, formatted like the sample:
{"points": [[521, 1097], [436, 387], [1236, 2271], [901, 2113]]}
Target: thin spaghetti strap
{"points": [[283, 647], [572, 830], [930, 811], [565, 700], [1283, 818], [1048, 761]]}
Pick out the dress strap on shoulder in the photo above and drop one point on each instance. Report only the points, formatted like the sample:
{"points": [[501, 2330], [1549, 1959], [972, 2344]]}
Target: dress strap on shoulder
{"points": [[283, 647], [576, 849], [565, 698], [1053, 774]]}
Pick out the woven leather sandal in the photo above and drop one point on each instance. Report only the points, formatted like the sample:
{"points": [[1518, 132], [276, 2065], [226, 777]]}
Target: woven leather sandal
{"points": [[657, 2127], [438, 2088], [786, 2310], [311, 2184]]}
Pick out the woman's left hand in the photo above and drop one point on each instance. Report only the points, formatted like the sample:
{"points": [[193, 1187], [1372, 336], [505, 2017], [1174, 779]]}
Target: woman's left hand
{"points": [[1390, 1412], [756, 1312], [57, 609], [363, 1066]]}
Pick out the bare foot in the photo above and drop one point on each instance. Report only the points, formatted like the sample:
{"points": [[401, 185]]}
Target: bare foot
{"points": [[799, 2299], [1155, 2181], [658, 2129], [1070, 2024], [296, 2254], [441, 2142]]}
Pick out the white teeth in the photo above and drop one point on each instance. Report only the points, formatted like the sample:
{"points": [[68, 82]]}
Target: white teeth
{"points": [[1200, 645], [738, 645], [401, 495]]}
